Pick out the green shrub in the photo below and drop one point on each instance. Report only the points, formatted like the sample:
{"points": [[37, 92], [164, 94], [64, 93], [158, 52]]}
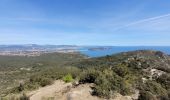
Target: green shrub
{"points": [[108, 82], [103, 91], [163, 97], [24, 97], [103, 87], [68, 78], [121, 70], [153, 87], [21, 87], [21, 96], [88, 76], [145, 95], [17, 89], [164, 80], [40, 80], [45, 81]]}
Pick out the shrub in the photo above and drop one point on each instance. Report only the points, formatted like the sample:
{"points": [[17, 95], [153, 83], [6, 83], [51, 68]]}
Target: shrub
{"points": [[154, 88], [40, 80], [17, 89], [121, 70], [21, 87], [88, 76], [21, 96], [45, 81], [24, 97], [109, 83], [103, 87], [102, 91], [164, 80], [145, 95], [68, 78], [163, 97]]}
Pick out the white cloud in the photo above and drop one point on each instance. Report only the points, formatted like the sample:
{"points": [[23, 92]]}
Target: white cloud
{"points": [[153, 24]]}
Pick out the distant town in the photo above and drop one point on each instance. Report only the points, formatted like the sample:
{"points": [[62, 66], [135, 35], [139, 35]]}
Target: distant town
{"points": [[37, 50], [34, 50]]}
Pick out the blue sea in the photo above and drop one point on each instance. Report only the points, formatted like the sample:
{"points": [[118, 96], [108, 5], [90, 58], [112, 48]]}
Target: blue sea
{"points": [[118, 49]]}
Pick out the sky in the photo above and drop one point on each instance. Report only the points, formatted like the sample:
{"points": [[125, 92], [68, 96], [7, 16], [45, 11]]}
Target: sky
{"points": [[85, 22]]}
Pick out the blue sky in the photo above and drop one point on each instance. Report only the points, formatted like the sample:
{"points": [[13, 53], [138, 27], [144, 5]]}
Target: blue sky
{"points": [[85, 22]]}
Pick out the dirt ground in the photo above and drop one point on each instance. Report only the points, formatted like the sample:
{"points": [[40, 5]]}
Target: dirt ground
{"points": [[63, 91]]}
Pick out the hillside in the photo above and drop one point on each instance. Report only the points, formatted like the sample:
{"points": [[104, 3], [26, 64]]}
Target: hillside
{"points": [[18, 69], [142, 75], [146, 71]]}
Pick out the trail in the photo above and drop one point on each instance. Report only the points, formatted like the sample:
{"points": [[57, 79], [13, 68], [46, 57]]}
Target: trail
{"points": [[63, 91], [48, 91]]}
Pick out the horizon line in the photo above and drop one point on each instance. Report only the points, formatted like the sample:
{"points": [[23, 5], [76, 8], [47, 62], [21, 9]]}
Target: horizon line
{"points": [[89, 45]]}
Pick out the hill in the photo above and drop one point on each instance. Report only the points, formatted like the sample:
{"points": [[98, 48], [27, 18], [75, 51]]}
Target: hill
{"points": [[145, 71], [142, 75], [18, 69]]}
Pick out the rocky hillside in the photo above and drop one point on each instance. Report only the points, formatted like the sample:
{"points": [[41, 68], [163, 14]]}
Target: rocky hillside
{"points": [[135, 75], [128, 72], [142, 59]]}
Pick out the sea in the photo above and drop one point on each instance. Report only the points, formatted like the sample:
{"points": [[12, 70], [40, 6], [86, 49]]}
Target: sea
{"points": [[118, 49]]}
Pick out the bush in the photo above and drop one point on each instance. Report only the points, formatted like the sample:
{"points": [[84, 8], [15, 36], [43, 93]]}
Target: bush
{"points": [[152, 88], [145, 95], [108, 82], [33, 83], [18, 89], [88, 76], [103, 87], [21, 87], [163, 97], [121, 70], [164, 80], [45, 81], [102, 91], [24, 97], [68, 78], [40, 80]]}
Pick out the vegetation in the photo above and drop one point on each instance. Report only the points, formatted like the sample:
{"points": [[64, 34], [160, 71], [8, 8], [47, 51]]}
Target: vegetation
{"points": [[21, 96], [27, 73], [109, 81], [124, 72], [46, 78], [68, 78], [145, 95], [121, 73]]}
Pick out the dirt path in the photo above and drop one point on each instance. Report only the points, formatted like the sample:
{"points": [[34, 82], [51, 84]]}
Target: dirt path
{"points": [[48, 91], [63, 91], [81, 92]]}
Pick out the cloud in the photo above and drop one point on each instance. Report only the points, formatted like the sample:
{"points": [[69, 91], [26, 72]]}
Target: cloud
{"points": [[148, 19], [152, 25]]}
